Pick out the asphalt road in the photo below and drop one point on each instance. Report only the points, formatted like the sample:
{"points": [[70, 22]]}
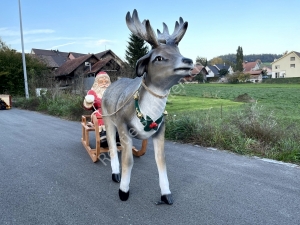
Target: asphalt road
{"points": [[47, 177]]}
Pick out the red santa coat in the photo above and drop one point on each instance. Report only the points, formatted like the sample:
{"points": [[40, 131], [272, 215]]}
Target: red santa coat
{"points": [[96, 106]]}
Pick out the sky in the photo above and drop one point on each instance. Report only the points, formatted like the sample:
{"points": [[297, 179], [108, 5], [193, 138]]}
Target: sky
{"points": [[214, 27]]}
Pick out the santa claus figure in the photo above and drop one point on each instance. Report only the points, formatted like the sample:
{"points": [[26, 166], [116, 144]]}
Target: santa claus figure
{"points": [[92, 100]]}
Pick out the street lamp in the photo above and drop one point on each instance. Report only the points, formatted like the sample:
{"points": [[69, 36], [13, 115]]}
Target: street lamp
{"points": [[23, 54]]}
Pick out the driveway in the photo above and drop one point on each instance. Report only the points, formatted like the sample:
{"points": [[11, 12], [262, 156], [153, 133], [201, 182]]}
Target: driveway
{"points": [[47, 177]]}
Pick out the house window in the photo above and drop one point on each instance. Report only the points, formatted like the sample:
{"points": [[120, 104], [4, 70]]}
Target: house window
{"points": [[292, 58], [277, 67], [276, 75], [292, 65]]}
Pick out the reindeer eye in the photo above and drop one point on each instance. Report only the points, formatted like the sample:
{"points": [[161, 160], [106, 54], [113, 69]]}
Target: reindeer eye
{"points": [[158, 58]]}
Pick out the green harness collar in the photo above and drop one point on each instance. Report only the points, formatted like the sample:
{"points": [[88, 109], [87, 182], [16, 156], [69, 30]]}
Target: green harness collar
{"points": [[148, 123]]}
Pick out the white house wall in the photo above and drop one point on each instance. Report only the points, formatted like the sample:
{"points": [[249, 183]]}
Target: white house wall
{"points": [[282, 67], [209, 71]]}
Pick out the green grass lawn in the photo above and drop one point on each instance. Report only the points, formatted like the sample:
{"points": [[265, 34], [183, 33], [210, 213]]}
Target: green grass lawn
{"points": [[187, 103], [281, 99]]}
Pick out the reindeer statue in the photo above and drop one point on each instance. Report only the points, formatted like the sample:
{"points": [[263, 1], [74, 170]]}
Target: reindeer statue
{"points": [[136, 107]]}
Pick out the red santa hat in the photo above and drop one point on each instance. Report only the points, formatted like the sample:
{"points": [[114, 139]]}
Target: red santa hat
{"points": [[101, 73]]}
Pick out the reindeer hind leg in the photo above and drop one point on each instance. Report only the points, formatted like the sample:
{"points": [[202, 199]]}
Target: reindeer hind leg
{"points": [[113, 151]]}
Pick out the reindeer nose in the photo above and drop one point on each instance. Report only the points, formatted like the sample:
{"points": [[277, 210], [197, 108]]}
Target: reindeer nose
{"points": [[187, 61]]}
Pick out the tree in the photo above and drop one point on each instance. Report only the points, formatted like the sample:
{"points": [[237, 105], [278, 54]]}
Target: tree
{"points": [[216, 60], [201, 60], [201, 78], [239, 59], [11, 71], [265, 58], [243, 77], [136, 49], [233, 78], [223, 72]]}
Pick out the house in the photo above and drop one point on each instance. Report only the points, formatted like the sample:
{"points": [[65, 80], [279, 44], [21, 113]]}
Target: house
{"points": [[256, 76], [214, 71], [268, 71], [74, 55], [67, 67], [287, 66], [53, 58], [224, 66], [251, 66], [109, 54], [84, 67], [75, 67], [198, 69]]}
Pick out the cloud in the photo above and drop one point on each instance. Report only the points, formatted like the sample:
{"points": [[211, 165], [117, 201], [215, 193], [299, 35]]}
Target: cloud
{"points": [[39, 31], [57, 46], [48, 39], [11, 32], [96, 43], [102, 42]]}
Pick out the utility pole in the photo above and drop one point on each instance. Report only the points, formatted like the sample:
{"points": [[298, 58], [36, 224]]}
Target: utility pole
{"points": [[23, 54]]}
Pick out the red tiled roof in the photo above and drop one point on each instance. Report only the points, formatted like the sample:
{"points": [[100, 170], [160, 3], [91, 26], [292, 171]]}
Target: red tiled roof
{"points": [[255, 72], [248, 66], [197, 69]]}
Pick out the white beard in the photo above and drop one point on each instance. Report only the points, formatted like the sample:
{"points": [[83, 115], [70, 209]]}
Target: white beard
{"points": [[99, 91]]}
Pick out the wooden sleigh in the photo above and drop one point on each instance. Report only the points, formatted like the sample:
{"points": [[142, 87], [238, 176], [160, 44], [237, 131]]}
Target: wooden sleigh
{"points": [[87, 122]]}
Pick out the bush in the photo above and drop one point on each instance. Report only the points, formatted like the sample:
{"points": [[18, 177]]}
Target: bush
{"points": [[250, 130], [257, 125], [182, 127], [67, 106], [238, 77], [203, 128], [233, 78], [292, 80]]}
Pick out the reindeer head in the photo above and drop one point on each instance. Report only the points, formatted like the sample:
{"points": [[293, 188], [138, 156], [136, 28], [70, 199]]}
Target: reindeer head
{"points": [[163, 63]]}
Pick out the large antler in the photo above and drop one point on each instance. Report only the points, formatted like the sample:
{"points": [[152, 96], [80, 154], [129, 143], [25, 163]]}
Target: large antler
{"points": [[175, 38], [142, 30]]}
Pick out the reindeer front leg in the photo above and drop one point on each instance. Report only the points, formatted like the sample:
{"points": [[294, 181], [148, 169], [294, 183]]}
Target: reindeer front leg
{"points": [[127, 162], [159, 143]]}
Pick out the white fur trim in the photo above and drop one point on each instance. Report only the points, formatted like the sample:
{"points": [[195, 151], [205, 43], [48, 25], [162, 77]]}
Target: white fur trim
{"points": [[89, 98]]}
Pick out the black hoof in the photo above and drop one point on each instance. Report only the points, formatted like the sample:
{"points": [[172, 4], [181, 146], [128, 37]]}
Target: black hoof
{"points": [[167, 199], [123, 195], [116, 177]]}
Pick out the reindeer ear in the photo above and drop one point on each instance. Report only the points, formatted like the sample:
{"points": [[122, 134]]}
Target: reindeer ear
{"points": [[141, 65]]}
